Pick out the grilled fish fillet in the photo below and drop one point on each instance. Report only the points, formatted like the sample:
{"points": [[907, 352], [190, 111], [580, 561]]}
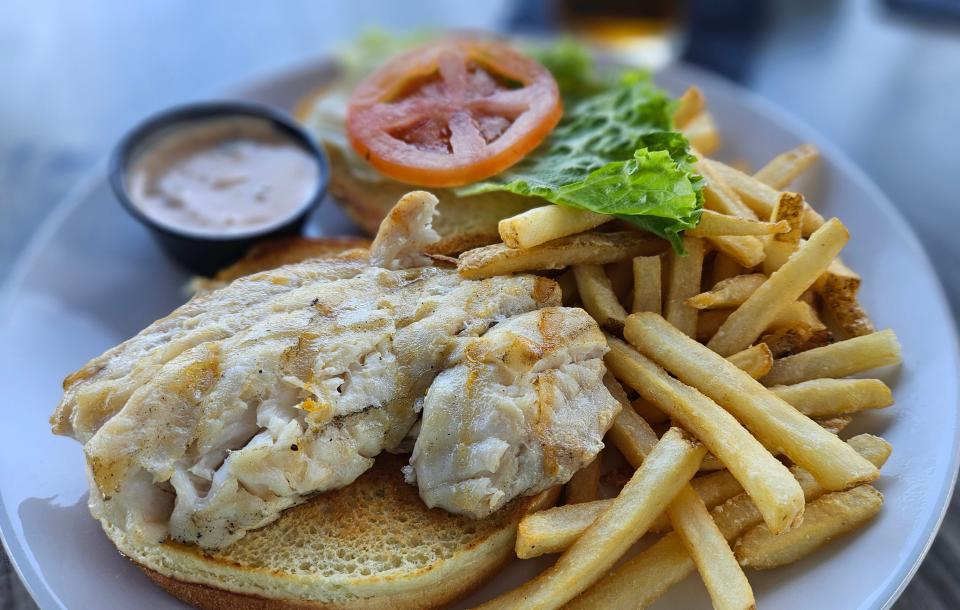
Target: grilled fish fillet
{"points": [[249, 399], [524, 408]]}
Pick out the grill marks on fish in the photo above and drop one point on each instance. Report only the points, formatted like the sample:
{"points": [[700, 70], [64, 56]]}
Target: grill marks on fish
{"points": [[335, 366], [104, 385], [522, 409], [159, 415]]}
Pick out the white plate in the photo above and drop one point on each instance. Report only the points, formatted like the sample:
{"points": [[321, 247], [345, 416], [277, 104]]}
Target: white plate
{"points": [[92, 277]]}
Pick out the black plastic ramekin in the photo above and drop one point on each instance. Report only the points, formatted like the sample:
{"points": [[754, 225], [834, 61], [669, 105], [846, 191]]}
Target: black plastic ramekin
{"points": [[201, 252]]}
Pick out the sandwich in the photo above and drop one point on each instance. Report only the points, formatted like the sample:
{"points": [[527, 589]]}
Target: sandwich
{"points": [[214, 433]]}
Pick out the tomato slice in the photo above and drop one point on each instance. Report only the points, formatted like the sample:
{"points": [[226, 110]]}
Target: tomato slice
{"points": [[453, 112]]}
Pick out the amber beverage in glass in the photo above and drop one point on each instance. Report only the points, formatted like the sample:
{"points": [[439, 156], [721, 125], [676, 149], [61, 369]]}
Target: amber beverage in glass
{"points": [[639, 32]]}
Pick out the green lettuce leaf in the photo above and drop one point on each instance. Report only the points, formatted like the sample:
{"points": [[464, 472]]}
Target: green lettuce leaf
{"points": [[573, 67], [615, 153]]}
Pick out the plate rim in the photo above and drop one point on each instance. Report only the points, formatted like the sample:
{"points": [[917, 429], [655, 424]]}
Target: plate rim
{"points": [[23, 565]]}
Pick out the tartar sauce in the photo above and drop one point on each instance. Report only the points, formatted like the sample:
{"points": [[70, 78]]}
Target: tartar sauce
{"points": [[222, 176]]}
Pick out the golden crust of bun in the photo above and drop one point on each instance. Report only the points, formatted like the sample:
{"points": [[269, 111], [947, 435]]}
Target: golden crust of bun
{"points": [[287, 250], [283, 251], [371, 545]]}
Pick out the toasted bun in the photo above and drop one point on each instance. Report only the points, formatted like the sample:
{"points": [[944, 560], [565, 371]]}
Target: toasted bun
{"points": [[283, 251], [371, 545], [462, 222], [287, 250]]}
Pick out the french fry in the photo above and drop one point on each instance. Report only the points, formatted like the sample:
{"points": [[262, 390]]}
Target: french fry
{"points": [[730, 292], [649, 412], [747, 251], [584, 485], [555, 529], [641, 580], [786, 338], [756, 360], [781, 246], [683, 281], [757, 195], [838, 359], [820, 338], [834, 425], [616, 390], [598, 297], [709, 321], [711, 464], [826, 518], [647, 294], [786, 284], [713, 224], [617, 477], [786, 341], [568, 288], [543, 224], [838, 288], [702, 133], [718, 196], [832, 397], [638, 582], [838, 268], [723, 268], [630, 433], [653, 486], [786, 167], [716, 488], [797, 312], [871, 448], [581, 249], [621, 279], [689, 105], [764, 477], [773, 421], [723, 577]]}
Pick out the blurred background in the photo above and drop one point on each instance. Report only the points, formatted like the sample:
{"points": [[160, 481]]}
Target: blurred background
{"points": [[880, 79]]}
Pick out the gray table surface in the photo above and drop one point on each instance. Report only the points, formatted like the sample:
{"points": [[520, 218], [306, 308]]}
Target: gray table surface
{"points": [[77, 74]]}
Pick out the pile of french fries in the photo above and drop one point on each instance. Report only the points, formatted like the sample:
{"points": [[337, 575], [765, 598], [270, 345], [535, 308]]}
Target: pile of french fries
{"points": [[737, 353]]}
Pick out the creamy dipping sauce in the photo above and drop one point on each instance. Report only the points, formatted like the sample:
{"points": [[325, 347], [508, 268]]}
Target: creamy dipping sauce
{"points": [[221, 176]]}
